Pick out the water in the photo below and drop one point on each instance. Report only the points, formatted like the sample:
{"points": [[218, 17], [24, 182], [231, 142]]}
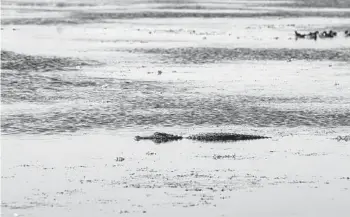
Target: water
{"points": [[80, 80]]}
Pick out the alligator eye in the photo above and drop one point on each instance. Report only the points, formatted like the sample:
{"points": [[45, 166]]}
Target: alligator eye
{"points": [[137, 138]]}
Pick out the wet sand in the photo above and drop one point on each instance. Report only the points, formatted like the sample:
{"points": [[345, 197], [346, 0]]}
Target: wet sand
{"points": [[80, 80]]}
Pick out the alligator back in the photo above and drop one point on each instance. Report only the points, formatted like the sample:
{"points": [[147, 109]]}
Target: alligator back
{"points": [[224, 137]]}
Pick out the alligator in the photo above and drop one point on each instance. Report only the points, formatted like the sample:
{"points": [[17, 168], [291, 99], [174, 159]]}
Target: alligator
{"points": [[210, 137], [158, 137]]}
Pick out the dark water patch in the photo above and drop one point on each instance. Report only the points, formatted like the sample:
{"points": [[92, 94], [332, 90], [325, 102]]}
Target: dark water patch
{"points": [[83, 4], [104, 17], [21, 62], [42, 21], [114, 103], [41, 88], [294, 4], [315, 4], [182, 14], [165, 14], [49, 4], [201, 55], [297, 99], [126, 106], [34, 87]]}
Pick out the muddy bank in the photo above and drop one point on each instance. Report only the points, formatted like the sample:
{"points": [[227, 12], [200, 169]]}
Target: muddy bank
{"points": [[192, 55], [58, 4]]}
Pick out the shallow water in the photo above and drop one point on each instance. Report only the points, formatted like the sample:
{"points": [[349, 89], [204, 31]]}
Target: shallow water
{"points": [[187, 177], [80, 80]]}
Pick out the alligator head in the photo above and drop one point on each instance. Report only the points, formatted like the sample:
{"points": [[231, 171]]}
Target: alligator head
{"points": [[158, 137]]}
